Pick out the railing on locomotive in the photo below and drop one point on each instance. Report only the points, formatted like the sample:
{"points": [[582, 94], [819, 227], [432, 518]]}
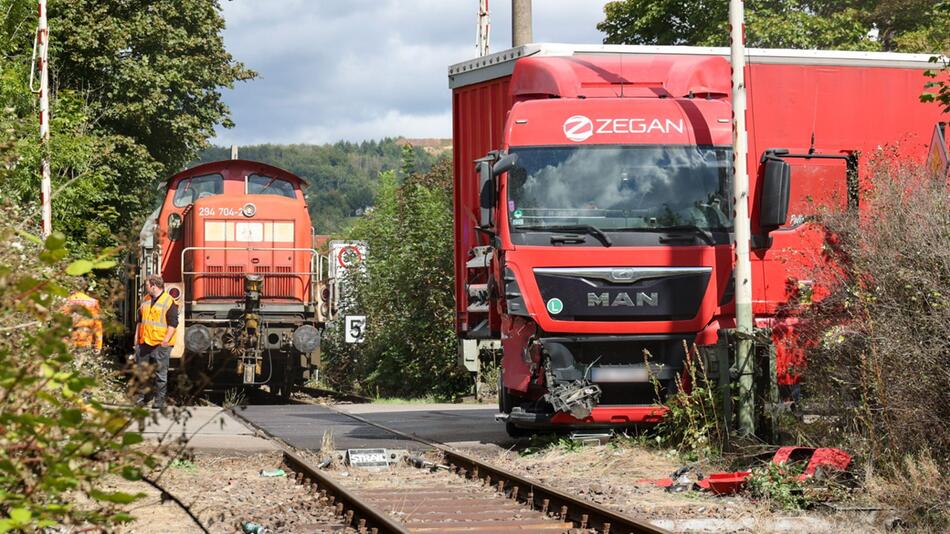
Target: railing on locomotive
{"points": [[316, 272]]}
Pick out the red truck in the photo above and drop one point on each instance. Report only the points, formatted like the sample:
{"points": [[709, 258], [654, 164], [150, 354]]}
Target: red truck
{"points": [[593, 210]]}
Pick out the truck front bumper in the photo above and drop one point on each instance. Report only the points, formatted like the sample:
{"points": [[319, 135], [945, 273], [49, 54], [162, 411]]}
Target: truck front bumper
{"points": [[600, 417]]}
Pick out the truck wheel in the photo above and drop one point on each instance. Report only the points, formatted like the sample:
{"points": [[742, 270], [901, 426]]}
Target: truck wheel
{"points": [[504, 400], [518, 432], [504, 406]]}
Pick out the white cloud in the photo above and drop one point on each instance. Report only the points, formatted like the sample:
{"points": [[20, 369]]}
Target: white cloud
{"points": [[362, 69]]}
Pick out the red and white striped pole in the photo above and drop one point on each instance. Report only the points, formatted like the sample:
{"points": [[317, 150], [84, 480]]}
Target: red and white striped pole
{"points": [[42, 42], [743, 272], [484, 29]]}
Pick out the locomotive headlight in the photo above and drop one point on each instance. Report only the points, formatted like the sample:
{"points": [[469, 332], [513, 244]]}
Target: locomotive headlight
{"points": [[306, 338], [249, 210], [197, 338]]}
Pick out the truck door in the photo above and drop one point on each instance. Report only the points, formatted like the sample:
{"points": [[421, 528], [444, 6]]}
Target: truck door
{"points": [[790, 264]]}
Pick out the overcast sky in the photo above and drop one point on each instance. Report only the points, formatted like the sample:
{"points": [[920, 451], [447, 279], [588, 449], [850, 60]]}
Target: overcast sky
{"points": [[334, 70]]}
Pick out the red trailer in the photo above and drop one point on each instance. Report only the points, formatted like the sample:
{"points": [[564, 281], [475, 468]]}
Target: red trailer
{"points": [[593, 217]]}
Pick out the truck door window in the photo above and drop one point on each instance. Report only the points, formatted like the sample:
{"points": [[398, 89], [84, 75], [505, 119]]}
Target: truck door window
{"points": [[191, 189], [259, 184], [816, 185], [621, 187]]}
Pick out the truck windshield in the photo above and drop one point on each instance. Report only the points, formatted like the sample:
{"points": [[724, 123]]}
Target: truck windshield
{"points": [[621, 187]]}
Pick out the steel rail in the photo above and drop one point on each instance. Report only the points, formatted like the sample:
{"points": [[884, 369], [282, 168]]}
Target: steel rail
{"points": [[547, 499], [342, 502], [537, 495], [355, 511]]}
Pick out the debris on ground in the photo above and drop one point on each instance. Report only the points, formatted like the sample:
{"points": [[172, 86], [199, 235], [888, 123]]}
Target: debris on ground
{"points": [[820, 461]]}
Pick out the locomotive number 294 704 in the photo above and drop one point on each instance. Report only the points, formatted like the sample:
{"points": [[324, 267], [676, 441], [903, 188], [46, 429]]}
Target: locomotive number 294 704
{"points": [[222, 212]]}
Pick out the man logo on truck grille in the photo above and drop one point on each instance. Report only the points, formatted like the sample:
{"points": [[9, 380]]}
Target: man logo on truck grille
{"points": [[578, 128], [622, 299]]}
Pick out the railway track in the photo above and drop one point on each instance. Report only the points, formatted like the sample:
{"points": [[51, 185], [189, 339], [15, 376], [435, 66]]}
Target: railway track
{"points": [[453, 493]]}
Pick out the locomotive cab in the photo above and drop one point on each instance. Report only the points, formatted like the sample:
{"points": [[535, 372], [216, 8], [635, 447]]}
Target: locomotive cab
{"points": [[233, 241]]}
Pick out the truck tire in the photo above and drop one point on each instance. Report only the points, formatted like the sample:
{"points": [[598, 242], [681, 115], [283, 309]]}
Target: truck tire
{"points": [[504, 400], [504, 406]]}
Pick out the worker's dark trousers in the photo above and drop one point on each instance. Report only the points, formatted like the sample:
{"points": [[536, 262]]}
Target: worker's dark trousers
{"points": [[155, 388]]}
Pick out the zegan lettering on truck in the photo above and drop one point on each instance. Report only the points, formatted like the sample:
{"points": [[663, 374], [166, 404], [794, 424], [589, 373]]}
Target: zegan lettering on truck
{"points": [[622, 299], [579, 127]]}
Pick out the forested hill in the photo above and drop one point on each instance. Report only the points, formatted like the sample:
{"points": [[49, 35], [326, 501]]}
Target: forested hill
{"points": [[343, 176]]}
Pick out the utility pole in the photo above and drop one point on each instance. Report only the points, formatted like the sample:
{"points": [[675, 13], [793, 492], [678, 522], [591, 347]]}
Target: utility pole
{"points": [[41, 64], [743, 270], [483, 39], [520, 23]]}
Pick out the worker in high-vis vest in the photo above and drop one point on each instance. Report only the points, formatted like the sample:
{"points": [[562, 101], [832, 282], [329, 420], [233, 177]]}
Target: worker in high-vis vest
{"points": [[155, 334], [86, 331]]}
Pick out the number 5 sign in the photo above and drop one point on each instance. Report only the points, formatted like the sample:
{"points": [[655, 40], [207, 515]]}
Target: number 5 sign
{"points": [[355, 328]]}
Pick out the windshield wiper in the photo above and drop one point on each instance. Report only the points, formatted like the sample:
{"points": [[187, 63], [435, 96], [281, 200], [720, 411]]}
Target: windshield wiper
{"points": [[696, 230], [584, 228]]}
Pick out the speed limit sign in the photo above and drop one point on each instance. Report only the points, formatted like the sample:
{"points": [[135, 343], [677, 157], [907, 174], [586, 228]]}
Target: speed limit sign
{"points": [[355, 326]]}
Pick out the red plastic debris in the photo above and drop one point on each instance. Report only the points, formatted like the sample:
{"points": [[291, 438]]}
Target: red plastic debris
{"points": [[727, 483], [830, 457]]}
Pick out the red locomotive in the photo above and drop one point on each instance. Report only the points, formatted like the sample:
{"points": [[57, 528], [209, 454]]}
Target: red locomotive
{"points": [[234, 243]]}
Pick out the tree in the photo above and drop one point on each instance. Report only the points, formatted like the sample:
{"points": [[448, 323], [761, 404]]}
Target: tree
{"points": [[135, 93], [938, 89], [846, 25], [407, 295], [342, 178]]}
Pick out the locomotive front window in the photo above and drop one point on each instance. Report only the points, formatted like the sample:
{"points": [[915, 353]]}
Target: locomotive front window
{"points": [[191, 189], [258, 184]]}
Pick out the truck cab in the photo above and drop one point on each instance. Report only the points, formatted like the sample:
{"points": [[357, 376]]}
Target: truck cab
{"points": [[594, 212]]}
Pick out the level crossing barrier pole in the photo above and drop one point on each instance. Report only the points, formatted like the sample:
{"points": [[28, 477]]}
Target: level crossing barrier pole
{"points": [[743, 270], [42, 64]]}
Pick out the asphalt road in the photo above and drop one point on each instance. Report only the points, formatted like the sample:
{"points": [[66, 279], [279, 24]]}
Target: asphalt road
{"points": [[304, 426]]}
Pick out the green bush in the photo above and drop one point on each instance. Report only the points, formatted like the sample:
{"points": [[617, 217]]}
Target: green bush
{"points": [[693, 425], [406, 294], [778, 485], [57, 442], [877, 371]]}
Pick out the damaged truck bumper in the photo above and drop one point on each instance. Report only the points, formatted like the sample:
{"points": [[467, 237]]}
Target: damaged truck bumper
{"points": [[600, 416]]}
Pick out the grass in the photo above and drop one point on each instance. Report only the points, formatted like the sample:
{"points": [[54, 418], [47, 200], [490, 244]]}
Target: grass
{"points": [[183, 464], [401, 400], [233, 398], [544, 443]]}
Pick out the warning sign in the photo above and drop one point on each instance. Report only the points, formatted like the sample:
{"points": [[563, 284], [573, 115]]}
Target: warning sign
{"points": [[346, 256], [355, 328], [349, 256]]}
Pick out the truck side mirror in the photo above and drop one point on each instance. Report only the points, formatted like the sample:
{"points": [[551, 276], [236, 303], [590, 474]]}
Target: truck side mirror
{"points": [[486, 198], [776, 184], [505, 164]]}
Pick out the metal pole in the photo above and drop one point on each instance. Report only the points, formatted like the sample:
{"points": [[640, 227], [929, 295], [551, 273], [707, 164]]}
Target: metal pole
{"points": [[46, 187], [483, 40], [743, 270], [234, 152], [520, 23]]}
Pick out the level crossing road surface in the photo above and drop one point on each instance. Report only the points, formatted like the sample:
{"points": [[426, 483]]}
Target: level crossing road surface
{"points": [[304, 425]]}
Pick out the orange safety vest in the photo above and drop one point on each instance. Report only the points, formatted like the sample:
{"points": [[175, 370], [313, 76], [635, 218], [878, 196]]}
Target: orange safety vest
{"points": [[154, 320], [86, 330]]}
